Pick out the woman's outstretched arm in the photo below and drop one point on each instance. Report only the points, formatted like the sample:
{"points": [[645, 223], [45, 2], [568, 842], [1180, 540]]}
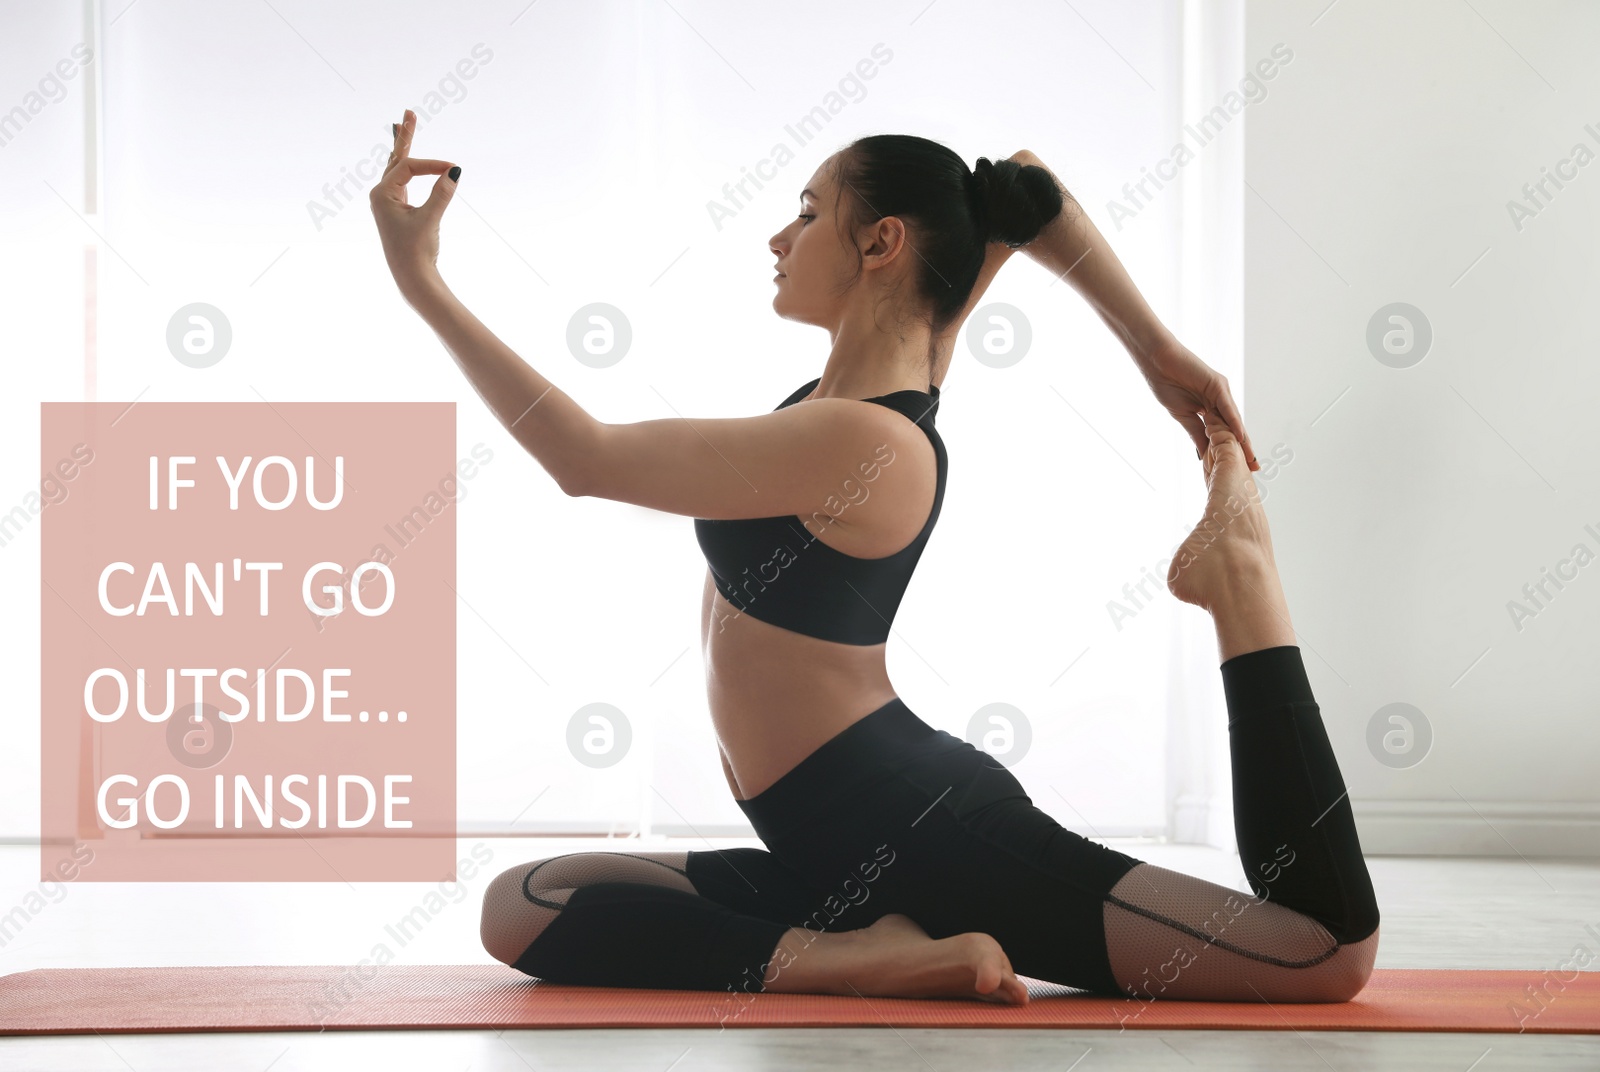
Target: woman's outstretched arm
{"points": [[785, 462]]}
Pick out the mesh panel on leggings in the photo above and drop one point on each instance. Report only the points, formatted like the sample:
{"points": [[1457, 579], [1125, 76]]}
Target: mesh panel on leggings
{"points": [[1177, 936], [520, 903]]}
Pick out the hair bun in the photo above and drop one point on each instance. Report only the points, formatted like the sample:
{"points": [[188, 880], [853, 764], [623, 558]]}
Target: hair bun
{"points": [[1012, 202]]}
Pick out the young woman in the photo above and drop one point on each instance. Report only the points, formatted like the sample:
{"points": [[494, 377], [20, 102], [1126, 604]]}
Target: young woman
{"points": [[899, 860]]}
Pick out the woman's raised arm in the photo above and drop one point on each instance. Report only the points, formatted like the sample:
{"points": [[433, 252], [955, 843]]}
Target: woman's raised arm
{"points": [[1072, 248], [788, 460], [509, 385]]}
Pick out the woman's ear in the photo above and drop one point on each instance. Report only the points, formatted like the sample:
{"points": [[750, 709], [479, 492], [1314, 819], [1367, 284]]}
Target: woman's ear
{"points": [[884, 240]]}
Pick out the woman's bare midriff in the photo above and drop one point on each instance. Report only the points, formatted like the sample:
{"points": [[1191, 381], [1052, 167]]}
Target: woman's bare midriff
{"points": [[776, 695]]}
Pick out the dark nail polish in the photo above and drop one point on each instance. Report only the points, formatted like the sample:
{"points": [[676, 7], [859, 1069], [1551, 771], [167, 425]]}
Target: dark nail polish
{"points": [[455, 174], [394, 130]]}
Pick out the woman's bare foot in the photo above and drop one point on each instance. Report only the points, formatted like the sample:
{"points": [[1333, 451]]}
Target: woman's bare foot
{"points": [[894, 957], [1226, 564]]}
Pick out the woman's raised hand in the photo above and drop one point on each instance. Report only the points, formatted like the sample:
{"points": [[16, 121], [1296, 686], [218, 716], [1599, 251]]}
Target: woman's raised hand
{"points": [[410, 235], [1186, 386]]}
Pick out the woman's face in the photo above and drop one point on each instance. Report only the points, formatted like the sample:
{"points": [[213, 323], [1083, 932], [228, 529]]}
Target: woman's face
{"points": [[813, 263]]}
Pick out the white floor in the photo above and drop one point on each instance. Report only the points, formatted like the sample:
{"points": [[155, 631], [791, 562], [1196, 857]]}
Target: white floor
{"points": [[1438, 912]]}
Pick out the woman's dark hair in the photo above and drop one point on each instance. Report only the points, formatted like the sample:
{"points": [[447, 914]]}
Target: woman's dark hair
{"points": [[952, 212]]}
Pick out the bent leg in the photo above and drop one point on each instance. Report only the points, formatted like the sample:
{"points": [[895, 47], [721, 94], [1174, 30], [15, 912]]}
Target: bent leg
{"points": [[1311, 931], [660, 920]]}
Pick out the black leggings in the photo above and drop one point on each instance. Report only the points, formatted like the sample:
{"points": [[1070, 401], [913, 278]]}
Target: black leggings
{"points": [[892, 815]]}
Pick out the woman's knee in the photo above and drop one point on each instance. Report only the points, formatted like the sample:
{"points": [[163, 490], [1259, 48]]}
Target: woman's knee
{"points": [[1340, 977], [1353, 968], [511, 918], [523, 900]]}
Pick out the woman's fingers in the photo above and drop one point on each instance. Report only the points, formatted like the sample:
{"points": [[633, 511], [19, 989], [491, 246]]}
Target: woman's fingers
{"points": [[390, 190], [407, 168], [1230, 416], [419, 165], [386, 186], [403, 132]]}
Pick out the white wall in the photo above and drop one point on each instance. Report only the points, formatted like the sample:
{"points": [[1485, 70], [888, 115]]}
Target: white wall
{"points": [[1421, 499]]}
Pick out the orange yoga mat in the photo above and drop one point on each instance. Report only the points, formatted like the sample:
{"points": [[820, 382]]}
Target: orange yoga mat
{"points": [[259, 998]]}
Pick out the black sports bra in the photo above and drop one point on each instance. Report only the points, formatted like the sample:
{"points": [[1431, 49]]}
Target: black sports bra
{"points": [[777, 570]]}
